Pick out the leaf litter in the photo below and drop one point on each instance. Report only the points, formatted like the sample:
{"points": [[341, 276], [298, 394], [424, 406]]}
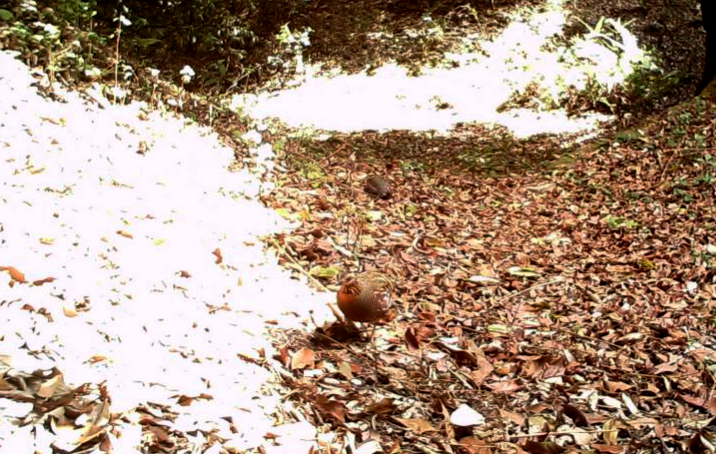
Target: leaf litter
{"points": [[570, 310]]}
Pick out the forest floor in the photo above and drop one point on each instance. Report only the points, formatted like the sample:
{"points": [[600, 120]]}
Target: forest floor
{"points": [[554, 295]]}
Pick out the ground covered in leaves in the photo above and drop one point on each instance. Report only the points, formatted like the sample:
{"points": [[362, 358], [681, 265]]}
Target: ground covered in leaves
{"points": [[554, 311], [551, 297]]}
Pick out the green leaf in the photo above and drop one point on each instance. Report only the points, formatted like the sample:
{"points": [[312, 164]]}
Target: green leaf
{"points": [[284, 213], [5, 15], [319, 271]]}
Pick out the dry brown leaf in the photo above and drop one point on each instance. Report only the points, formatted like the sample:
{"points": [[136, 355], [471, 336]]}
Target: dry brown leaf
{"points": [[576, 415], [302, 359], [284, 356], [544, 447], [15, 274], [124, 234], [217, 254], [609, 449], [50, 387], [330, 407], [97, 423], [483, 370], [417, 425], [41, 282], [411, 340], [506, 387], [382, 407], [615, 386], [474, 445]]}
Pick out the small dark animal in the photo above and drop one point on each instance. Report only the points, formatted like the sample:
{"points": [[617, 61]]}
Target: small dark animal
{"points": [[377, 186]]}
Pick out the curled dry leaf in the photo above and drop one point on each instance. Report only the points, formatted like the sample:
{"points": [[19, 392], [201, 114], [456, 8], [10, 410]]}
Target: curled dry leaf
{"points": [[217, 254], [69, 311], [576, 415], [15, 274], [411, 340]]}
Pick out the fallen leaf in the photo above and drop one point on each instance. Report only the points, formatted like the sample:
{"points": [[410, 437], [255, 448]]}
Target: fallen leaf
{"points": [[610, 449], [483, 280], [474, 445], [411, 340], [417, 425], [324, 272], [331, 408], [384, 406], [580, 420], [304, 358], [506, 387], [465, 416], [615, 386], [610, 433], [523, 271], [15, 274], [69, 311], [345, 369], [545, 447], [124, 234], [40, 282]]}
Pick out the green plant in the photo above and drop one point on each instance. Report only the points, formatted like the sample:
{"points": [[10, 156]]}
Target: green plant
{"points": [[620, 223], [293, 44]]}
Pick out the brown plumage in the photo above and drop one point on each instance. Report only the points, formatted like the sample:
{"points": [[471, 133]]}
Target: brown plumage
{"points": [[377, 186], [365, 297]]}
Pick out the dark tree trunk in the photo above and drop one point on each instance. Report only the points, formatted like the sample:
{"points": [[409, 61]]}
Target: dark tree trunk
{"points": [[708, 12]]}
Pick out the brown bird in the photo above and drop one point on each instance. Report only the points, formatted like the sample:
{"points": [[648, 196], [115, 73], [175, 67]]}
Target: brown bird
{"points": [[377, 186], [366, 297]]}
